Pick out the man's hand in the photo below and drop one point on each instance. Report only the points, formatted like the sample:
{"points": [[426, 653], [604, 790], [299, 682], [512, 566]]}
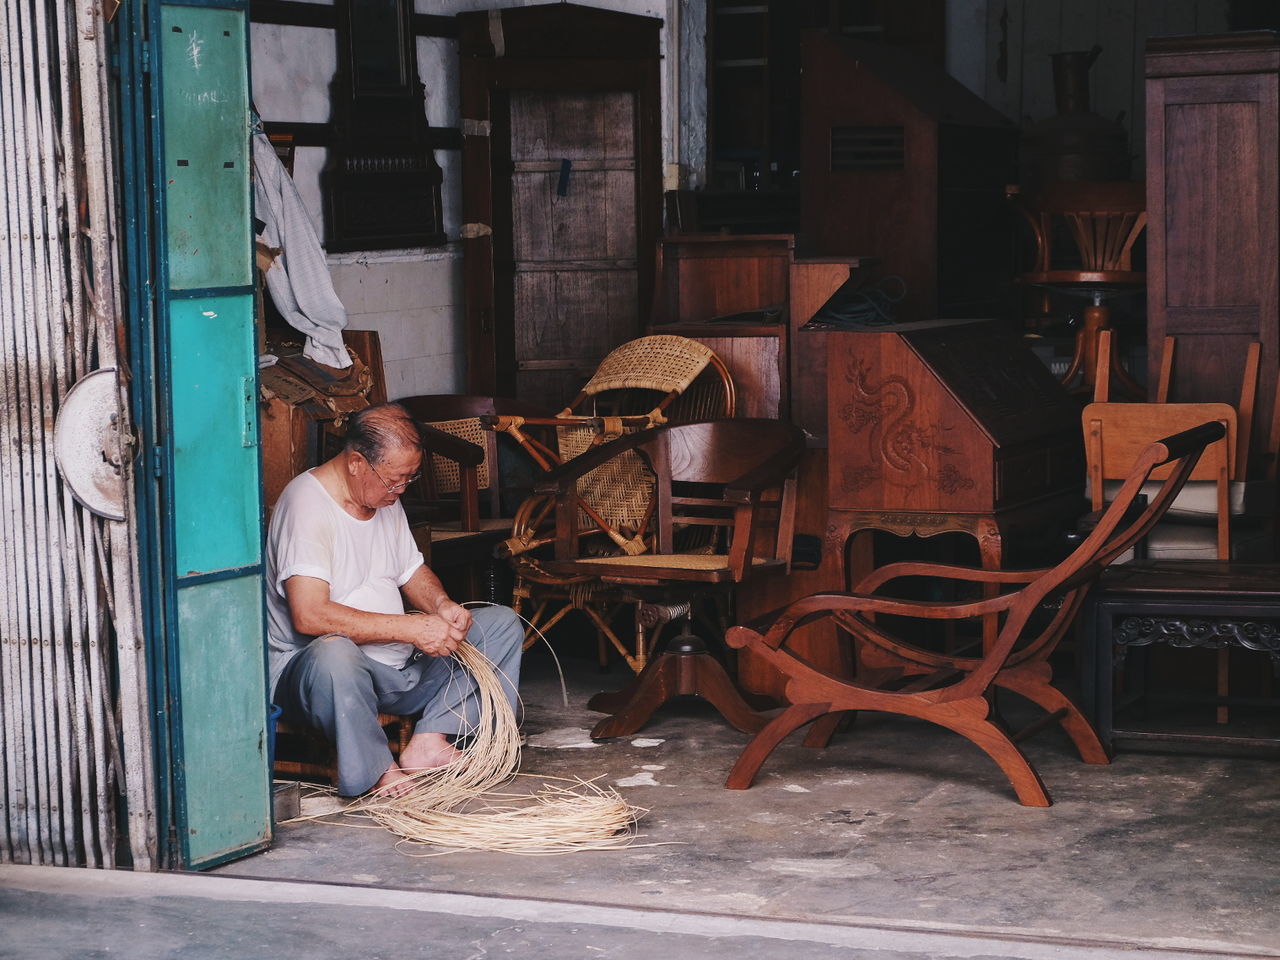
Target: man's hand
{"points": [[433, 634], [458, 615]]}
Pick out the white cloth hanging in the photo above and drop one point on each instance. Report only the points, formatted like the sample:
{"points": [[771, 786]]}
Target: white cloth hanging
{"points": [[298, 280]]}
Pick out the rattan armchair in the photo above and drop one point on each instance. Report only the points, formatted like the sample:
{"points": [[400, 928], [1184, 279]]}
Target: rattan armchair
{"points": [[643, 383]]}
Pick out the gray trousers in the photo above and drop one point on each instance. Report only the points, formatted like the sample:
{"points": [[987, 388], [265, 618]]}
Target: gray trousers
{"points": [[333, 687]]}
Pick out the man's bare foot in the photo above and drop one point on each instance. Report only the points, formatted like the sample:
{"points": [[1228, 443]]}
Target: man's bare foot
{"points": [[394, 783], [425, 751]]}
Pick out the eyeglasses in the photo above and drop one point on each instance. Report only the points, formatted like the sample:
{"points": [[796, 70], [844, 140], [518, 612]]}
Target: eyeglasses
{"points": [[393, 487]]}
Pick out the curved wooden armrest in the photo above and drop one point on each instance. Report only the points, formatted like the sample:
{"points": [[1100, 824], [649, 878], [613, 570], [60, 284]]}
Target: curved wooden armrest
{"points": [[563, 476], [1188, 441], [820, 603], [893, 571], [500, 422], [453, 448]]}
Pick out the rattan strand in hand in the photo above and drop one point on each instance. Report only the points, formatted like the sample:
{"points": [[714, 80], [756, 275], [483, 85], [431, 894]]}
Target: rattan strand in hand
{"points": [[459, 805]]}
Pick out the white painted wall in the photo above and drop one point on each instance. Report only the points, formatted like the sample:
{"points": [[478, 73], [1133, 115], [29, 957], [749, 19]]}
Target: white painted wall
{"points": [[413, 298]]}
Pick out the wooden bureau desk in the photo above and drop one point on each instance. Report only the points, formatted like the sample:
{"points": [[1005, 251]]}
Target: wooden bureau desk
{"points": [[945, 426]]}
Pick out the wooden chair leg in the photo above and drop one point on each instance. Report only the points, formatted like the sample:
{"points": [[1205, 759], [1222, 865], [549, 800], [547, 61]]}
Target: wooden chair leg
{"points": [[1038, 690], [970, 720], [763, 743]]}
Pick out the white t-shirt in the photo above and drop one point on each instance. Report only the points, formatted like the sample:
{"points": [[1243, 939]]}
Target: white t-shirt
{"points": [[365, 562]]}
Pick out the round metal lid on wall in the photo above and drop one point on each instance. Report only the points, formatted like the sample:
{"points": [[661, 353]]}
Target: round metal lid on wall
{"points": [[87, 444]]}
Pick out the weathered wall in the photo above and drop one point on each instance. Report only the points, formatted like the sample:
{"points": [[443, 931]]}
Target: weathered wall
{"points": [[413, 298]]}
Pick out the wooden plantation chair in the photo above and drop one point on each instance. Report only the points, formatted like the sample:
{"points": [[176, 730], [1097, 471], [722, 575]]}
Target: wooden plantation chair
{"points": [[1104, 219], [952, 691], [733, 479], [640, 384]]}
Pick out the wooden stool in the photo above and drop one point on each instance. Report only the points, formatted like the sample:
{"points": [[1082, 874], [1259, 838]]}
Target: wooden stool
{"points": [[398, 728]]}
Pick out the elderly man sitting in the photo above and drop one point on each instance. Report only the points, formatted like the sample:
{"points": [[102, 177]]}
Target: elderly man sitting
{"points": [[340, 565]]}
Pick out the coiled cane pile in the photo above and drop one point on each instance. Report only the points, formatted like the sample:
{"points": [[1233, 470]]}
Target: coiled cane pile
{"points": [[460, 805]]}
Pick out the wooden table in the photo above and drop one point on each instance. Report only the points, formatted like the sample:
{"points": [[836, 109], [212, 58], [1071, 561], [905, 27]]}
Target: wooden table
{"points": [[1181, 603]]}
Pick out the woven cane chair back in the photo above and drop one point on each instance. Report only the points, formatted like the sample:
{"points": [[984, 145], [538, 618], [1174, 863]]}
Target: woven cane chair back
{"points": [[663, 377], [445, 474]]}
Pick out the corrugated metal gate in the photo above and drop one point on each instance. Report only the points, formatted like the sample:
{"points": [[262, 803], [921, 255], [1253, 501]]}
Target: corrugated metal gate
{"points": [[132, 663], [74, 714]]}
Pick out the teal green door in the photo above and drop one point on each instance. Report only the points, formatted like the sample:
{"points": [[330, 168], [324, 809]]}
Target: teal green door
{"points": [[207, 506]]}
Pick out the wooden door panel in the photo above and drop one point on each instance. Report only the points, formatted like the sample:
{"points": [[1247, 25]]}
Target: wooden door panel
{"points": [[1213, 229], [1212, 222], [567, 321], [594, 219], [552, 125], [574, 244]]}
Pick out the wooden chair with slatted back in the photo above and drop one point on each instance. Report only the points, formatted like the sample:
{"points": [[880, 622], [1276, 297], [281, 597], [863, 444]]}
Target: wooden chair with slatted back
{"points": [[732, 479], [1251, 491], [1241, 509]]}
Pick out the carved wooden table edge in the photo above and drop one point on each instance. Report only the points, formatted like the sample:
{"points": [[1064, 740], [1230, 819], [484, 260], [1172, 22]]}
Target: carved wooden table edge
{"points": [[1182, 603]]}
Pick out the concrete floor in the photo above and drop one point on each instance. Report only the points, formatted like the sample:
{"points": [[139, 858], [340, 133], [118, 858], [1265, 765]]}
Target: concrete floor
{"points": [[903, 841]]}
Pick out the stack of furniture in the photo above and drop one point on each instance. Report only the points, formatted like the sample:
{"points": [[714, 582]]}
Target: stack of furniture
{"points": [[1213, 249]]}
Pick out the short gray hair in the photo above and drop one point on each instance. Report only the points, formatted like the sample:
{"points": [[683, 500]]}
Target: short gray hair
{"points": [[375, 431]]}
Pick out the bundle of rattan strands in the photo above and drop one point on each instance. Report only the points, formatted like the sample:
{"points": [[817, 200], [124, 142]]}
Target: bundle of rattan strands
{"points": [[459, 805]]}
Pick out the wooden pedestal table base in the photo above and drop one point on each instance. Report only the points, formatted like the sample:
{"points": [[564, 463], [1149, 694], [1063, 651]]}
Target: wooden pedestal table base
{"points": [[685, 668]]}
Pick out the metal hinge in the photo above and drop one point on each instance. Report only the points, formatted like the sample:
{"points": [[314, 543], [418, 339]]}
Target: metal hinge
{"points": [[157, 461], [146, 56]]}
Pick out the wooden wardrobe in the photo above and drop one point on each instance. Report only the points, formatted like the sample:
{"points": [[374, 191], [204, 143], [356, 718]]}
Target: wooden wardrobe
{"points": [[1213, 221], [562, 179]]}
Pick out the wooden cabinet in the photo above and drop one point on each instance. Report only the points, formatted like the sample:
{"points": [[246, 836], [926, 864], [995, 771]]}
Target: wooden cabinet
{"points": [[753, 85], [946, 418], [561, 192], [902, 162], [777, 373], [1213, 231]]}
